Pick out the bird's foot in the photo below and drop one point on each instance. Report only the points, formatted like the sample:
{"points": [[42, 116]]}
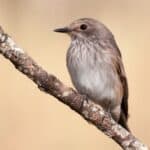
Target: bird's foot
{"points": [[85, 99]]}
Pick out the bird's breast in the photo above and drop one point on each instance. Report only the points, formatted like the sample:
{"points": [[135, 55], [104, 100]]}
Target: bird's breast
{"points": [[91, 74]]}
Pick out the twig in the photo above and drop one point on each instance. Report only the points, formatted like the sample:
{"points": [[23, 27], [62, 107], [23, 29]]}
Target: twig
{"points": [[50, 84]]}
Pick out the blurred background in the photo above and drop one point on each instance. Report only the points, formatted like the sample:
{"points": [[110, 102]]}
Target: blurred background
{"points": [[33, 120]]}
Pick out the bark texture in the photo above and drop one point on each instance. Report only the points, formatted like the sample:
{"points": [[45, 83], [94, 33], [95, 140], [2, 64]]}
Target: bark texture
{"points": [[90, 111]]}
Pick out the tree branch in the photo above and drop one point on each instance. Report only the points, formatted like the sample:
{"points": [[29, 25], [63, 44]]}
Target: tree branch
{"points": [[50, 84]]}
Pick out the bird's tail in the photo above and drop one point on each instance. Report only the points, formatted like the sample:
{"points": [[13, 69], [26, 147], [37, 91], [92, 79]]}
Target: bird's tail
{"points": [[123, 121]]}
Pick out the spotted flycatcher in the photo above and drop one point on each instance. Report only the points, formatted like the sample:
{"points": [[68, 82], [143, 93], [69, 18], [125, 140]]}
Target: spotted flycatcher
{"points": [[95, 66]]}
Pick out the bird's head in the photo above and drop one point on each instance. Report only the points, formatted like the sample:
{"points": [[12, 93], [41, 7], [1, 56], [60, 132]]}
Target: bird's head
{"points": [[86, 28]]}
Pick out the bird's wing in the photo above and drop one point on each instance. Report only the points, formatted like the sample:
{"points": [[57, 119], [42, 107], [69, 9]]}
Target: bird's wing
{"points": [[122, 76], [123, 79], [124, 104]]}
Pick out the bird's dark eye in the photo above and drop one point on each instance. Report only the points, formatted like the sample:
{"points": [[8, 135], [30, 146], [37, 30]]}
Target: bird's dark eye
{"points": [[83, 27]]}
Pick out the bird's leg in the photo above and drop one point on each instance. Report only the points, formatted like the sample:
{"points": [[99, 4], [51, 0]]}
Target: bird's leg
{"points": [[85, 97], [108, 108]]}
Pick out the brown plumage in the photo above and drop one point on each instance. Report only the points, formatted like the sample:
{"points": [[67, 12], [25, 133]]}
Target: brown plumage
{"points": [[95, 66]]}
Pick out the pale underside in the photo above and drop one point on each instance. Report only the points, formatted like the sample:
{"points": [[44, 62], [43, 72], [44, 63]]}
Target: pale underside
{"points": [[93, 75]]}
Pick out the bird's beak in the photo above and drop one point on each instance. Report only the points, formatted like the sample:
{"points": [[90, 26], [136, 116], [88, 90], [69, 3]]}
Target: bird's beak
{"points": [[63, 30]]}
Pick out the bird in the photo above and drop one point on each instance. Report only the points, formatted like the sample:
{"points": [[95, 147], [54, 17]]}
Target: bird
{"points": [[95, 65]]}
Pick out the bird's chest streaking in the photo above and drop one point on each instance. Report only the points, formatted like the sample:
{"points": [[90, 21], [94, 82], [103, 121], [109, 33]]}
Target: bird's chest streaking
{"points": [[93, 74]]}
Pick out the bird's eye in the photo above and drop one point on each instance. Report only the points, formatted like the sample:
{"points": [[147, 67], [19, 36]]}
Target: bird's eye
{"points": [[83, 27]]}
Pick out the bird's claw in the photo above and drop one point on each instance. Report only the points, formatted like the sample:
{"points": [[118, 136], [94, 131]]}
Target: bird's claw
{"points": [[85, 99]]}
